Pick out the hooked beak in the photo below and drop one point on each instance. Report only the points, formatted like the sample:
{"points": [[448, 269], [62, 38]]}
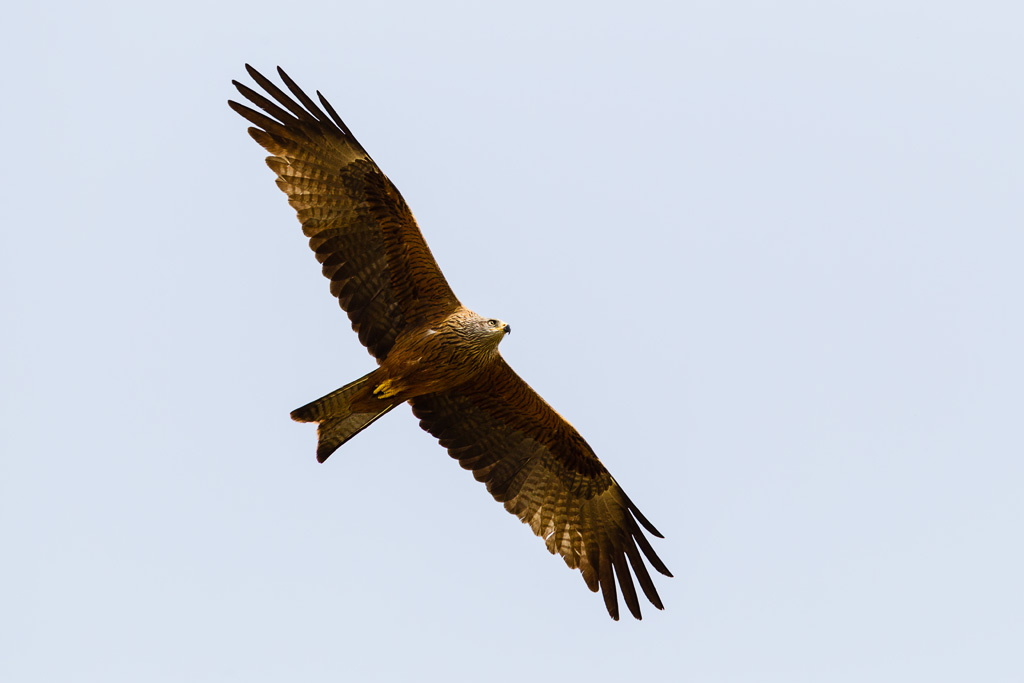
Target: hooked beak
{"points": [[508, 328]]}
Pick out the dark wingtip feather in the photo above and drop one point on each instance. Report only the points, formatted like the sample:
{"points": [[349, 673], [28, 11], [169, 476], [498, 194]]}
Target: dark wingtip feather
{"points": [[607, 578], [305, 99], [652, 556], [280, 96], [334, 115], [626, 584], [640, 516], [642, 575], [589, 573]]}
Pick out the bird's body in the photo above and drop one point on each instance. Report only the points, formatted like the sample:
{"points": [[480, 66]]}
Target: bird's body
{"points": [[437, 355]]}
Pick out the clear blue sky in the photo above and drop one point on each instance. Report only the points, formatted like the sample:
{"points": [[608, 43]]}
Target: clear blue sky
{"points": [[767, 257]]}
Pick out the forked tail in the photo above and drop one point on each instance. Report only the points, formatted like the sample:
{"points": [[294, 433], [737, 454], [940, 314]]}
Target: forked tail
{"points": [[338, 423]]}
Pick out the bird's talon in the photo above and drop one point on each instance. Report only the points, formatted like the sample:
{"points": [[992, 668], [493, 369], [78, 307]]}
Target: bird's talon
{"points": [[384, 389]]}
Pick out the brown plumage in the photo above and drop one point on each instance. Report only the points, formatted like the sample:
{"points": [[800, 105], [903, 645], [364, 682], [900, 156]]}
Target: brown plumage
{"points": [[438, 355]]}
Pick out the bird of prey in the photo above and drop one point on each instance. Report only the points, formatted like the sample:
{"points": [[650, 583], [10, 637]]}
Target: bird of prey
{"points": [[436, 354]]}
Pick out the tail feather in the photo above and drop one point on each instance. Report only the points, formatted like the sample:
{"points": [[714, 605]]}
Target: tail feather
{"points": [[338, 423], [333, 404], [335, 431]]}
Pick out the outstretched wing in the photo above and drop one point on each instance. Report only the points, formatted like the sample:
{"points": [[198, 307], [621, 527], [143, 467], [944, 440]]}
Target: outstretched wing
{"points": [[357, 223], [539, 466]]}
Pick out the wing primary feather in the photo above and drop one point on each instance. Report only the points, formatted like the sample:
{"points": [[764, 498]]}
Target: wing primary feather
{"points": [[642, 575], [263, 103], [652, 556], [639, 515], [337, 119], [626, 583], [305, 99], [588, 569], [279, 95], [607, 579], [263, 121]]}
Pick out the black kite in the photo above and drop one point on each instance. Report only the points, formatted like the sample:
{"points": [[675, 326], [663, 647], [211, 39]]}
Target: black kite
{"points": [[438, 355]]}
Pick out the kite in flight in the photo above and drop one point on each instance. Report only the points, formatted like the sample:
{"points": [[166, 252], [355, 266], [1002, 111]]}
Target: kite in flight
{"points": [[437, 355]]}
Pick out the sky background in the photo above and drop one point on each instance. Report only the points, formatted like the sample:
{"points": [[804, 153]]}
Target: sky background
{"points": [[767, 258]]}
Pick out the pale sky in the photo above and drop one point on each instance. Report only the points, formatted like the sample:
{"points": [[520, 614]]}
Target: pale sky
{"points": [[766, 257]]}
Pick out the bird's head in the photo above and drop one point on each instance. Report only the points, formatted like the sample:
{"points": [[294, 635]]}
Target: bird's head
{"points": [[489, 331], [497, 328], [481, 335]]}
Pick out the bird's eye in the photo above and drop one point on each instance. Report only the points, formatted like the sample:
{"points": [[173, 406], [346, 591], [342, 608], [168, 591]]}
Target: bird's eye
{"points": [[492, 323]]}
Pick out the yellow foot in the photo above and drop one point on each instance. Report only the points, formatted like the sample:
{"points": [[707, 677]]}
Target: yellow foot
{"points": [[385, 389]]}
